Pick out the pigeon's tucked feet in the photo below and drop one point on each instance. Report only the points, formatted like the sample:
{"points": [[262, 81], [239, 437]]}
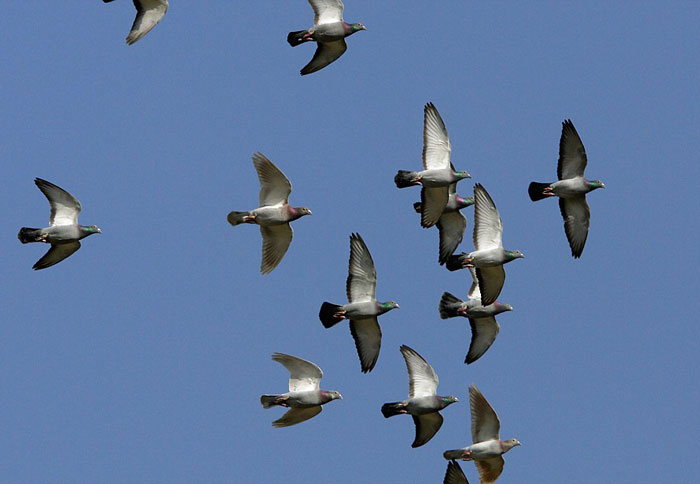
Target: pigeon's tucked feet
{"points": [[339, 315], [548, 192], [468, 262], [283, 401], [462, 311], [467, 455], [250, 219], [42, 237]]}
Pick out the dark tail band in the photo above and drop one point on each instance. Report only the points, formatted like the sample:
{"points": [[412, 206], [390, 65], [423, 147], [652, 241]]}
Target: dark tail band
{"points": [[27, 235], [391, 409], [536, 189], [296, 38], [404, 179], [327, 314]]}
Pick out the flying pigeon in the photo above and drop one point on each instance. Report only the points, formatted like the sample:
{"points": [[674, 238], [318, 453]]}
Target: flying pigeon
{"points": [[148, 14], [362, 308], [273, 215], [454, 474], [487, 449], [64, 232], [329, 32], [481, 318], [451, 223], [438, 173], [423, 403], [571, 188], [304, 397], [489, 256]]}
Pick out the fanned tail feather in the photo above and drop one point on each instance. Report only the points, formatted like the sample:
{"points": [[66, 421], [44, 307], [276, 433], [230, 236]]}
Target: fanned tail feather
{"points": [[535, 190], [404, 179], [327, 314], [449, 305], [296, 38], [454, 262], [391, 409], [235, 218], [27, 235], [268, 400]]}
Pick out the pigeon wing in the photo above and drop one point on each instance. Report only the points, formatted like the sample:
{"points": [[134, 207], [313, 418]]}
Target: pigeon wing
{"points": [[488, 228], [361, 283], [484, 332], [436, 141], [304, 375], [327, 11], [56, 254], [275, 242], [577, 218], [297, 415], [148, 14], [491, 280], [427, 426], [485, 423], [572, 154], [489, 469], [422, 379], [451, 226], [474, 292], [326, 52], [454, 474], [64, 206], [368, 340], [274, 186], [434, 200]]}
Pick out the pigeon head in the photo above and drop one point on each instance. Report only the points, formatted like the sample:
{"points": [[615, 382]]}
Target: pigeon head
{"points": [[331, 395], [449, 400], [90, 229], [387, 306], [462, 174], [464, 202], [509, 444], [298, 212], [514, 254], [356, 28], [502, 308], [593, 184]]}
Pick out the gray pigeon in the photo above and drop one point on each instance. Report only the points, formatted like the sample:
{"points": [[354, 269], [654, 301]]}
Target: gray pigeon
{"points": [[329, 32], [362, 308], [64, 232], [304, 397], [451, 223], [273, 215], [148, 14], [454, 474], [481, 318], [571, 188], [488, 448], [438, 173], [423, 402], [489, 256]]}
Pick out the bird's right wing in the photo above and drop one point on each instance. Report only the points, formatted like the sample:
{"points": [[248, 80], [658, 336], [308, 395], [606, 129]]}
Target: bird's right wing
{"points": [[303, 375], [56, 254]]}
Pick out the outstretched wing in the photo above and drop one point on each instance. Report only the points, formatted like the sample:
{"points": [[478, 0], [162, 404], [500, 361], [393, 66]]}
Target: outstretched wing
{"points": [[361, 283], [572, 154], [436, 141], [326, 52], [64, 206], [274, 186], [327, 11], [488, 228], [56, 254], [303, 375], [422, 379]]}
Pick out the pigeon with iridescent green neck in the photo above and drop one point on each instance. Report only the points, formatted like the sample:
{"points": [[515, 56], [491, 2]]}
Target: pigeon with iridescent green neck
{"points": [[438, 173], [273, 215], [329, 32], [451, 224], [148, 14], [488, 448], [423, 403], [64, 232], [304, 398], [571, 188], [482, 319], [489, 256], [362, 308]]}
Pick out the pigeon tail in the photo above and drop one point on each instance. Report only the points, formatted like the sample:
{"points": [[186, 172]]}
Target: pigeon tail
{"points": [[296, 38], [453, 454], [235, 218], [27, 235], [405, 178], [449, 305], [327, 314], [418, 207], [391, 409], [454, 262], [536, 189], [269, 400]]}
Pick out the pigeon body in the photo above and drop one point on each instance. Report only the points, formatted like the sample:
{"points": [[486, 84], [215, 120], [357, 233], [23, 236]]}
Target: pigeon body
{"points": [[482, 319], [64, 231], [148, 14], [305, 397], [489, 256], [438, 173], [329, 32], [423, 403], [571, 188], [363, 308], [488, 448], [273, 215], [451, 223]]}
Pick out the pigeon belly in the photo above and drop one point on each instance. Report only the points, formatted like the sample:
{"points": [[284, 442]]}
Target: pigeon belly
{"points": [[303, 399], [487, 258], [437, 178], [62, 234], [329, 32], [422, 405], [270, 215], [361, 310], [478, 311], [571, 188]]}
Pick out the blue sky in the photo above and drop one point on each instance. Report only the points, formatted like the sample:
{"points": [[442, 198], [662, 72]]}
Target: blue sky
{"points": [[142, 357]]}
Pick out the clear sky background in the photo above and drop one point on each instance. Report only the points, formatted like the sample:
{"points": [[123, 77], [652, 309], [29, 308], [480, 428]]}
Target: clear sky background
{"points": [[142, 357]]}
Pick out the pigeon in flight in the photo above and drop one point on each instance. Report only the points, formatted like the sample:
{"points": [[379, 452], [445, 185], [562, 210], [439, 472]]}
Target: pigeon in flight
{"points": [[304, 398], [571, 188], [488, 448], [438, 174], [273, 215], [489, 256], [454, 474], [148, 14], [329, 32], [64, 232], [481, 318], [362, 308], [423, 403]]}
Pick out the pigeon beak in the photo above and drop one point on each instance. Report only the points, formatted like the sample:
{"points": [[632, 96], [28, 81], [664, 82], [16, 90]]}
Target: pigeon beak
{"points": [[99, 231], [340, 396], [602, 185]]}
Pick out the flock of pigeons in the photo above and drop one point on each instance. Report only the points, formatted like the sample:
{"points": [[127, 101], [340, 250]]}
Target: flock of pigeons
{"points": [[440, 206]]}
